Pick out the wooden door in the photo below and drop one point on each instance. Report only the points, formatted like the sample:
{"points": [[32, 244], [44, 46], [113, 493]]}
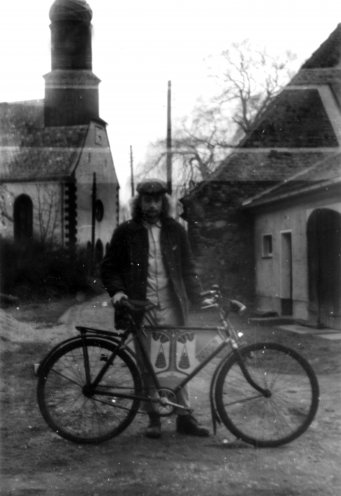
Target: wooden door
{"points": [[324, 267]]}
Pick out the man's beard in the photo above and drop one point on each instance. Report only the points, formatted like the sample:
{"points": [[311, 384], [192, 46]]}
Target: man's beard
{"points": [[151, 215]]}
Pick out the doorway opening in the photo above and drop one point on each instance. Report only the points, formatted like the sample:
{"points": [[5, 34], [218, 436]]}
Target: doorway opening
{"points": [[324, 267], [286, 274]]}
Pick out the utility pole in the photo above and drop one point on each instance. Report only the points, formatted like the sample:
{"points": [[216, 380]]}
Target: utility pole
{"points": [[132, 171], [169, 138], [93, 221]]}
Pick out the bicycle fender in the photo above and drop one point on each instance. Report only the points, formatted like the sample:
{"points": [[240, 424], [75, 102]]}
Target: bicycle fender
{"points": [[60, 345], [54, 350]]}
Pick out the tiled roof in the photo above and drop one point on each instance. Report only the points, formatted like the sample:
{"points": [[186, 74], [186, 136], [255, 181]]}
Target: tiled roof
{"points": [[262, 165], [17, 118], [328, 54], [296, 131], [296, 118], [29, 151], [319, 175], [250, 165], [36, 163]]}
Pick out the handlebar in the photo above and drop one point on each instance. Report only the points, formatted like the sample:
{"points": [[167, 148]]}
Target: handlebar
{"points": [[237, 306], [135, 305], [212, 298]]}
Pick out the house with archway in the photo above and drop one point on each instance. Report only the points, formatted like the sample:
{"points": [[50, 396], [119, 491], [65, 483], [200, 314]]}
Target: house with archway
{"points": [[266, 224], [58, 182], [297, 240]]}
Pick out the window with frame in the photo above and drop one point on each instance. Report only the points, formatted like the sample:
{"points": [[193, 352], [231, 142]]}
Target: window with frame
{"points": [[99, 210], [267, 246]]}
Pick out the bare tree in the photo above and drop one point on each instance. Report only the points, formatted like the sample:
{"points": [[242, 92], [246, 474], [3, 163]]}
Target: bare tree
{"points": [[251, 78], [5, 195], [248, 81], [48, 202], [198, 144]]}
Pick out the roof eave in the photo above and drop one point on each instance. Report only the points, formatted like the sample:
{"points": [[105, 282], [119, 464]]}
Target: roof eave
{"points": [[250, 204], [35, 179]]}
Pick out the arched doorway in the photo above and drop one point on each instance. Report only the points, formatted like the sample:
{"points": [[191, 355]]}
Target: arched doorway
{"points": [[23, 218], [324, 267]]}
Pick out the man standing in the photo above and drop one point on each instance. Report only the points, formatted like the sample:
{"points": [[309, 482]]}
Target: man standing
{"points": [[150, 258]]}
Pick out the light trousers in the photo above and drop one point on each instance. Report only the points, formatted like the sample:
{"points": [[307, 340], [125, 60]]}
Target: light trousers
{"points": [[162, 315]]}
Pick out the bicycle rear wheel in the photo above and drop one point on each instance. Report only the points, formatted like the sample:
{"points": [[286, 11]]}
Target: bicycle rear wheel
{"points": [[66, 405], [288, 409]]}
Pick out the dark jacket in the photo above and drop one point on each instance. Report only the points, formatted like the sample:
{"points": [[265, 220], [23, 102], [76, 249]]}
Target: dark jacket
{"points": [[125, 266]]}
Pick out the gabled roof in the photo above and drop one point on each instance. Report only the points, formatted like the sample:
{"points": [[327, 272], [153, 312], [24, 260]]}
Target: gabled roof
{"points": [[51, 153], [296, 118], [300, 128], [328, 54], [262, 165], [29, 151]]}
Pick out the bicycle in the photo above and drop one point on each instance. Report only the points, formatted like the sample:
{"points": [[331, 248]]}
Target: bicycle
{"points": [[90, 387]]}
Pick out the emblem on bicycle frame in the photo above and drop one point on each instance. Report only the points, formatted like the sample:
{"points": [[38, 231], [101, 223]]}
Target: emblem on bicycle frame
{"points": [[173, 351]]}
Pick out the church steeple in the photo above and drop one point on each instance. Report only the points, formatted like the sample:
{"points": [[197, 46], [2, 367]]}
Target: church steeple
{"points": [[71, 88]]}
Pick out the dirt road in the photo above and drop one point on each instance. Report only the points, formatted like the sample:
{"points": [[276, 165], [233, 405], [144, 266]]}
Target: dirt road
{"points": [[36, 461]]}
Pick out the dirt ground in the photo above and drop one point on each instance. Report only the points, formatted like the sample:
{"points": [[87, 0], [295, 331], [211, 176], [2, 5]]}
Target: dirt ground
{"points": [[36, 461]]}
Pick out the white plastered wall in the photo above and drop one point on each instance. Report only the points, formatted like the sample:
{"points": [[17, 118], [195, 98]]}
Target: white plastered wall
{"points": [[289, 219]]}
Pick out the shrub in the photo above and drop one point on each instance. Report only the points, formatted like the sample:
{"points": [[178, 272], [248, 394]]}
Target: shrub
{"points": [[34, 269]]}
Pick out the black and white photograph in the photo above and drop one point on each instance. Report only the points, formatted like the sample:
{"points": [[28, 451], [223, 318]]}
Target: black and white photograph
{"points": [[170, 248]]}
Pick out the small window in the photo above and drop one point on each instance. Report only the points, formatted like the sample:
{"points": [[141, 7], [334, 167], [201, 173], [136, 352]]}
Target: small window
{"points": [[99, 136], [267, 245], [99, 210]]}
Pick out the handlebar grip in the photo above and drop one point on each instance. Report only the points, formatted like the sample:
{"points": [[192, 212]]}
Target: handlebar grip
{"points": [[237, 306], [209, 292], [207, 307]]}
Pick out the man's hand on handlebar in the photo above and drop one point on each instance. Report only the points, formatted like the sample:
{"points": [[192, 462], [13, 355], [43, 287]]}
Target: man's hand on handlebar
{"points": [[121, 301], [118, 298], [207, 303]]}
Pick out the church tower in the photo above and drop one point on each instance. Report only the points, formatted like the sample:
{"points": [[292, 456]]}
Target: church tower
{"points": [[71, 88]]}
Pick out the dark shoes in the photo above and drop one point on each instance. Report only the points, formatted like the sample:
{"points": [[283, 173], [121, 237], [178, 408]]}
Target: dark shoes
{"points": [[187, 424], [153, 430]]}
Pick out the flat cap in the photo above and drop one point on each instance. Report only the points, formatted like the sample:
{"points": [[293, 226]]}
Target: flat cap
{"points": [[151, 187]]}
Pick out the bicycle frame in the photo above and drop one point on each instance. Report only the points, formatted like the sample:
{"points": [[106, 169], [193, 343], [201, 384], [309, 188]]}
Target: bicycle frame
{"points": [[84, 399], [121, 338], [194, 372]]}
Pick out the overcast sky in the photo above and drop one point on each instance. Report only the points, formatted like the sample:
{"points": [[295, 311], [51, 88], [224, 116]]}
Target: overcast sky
{"points": [[139, 45]]}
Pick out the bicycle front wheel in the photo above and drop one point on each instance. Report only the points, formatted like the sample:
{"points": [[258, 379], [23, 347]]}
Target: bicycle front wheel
{"points": [[73, 411], [287, 408]]}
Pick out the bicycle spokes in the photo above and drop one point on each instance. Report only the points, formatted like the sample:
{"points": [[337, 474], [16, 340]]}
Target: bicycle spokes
{"points": [[288, 404]]}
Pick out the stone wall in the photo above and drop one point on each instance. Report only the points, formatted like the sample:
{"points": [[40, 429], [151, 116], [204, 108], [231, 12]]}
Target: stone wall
{"points": [[221, 235]]}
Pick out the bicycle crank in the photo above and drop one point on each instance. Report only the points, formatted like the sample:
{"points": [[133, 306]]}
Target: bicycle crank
{"points": [[167, 402]]}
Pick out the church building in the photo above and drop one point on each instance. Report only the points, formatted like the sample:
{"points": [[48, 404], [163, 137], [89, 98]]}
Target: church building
{"points": [[58, 183]]}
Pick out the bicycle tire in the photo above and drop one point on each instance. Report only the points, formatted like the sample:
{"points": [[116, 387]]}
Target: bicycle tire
{"points": [[78, 417], [267, 421]]}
